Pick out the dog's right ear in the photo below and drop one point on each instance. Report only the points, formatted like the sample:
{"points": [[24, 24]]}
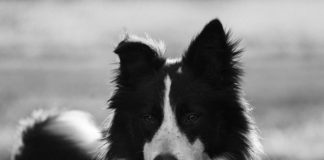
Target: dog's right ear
{"points": [[213, 57], [137, 59]]}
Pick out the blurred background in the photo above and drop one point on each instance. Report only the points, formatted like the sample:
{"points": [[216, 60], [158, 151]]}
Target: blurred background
{"points": [[58, 53]]}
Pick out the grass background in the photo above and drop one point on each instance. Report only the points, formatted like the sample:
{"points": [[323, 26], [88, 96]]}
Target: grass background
{"points": [[59, 54]]}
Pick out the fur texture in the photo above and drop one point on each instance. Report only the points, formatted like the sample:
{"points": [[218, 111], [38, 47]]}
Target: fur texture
{"points": [[204, 98], [55, 135]]}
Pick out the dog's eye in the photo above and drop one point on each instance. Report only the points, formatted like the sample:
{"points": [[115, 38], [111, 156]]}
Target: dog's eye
{"points": [[148, 118], [191, 118]]}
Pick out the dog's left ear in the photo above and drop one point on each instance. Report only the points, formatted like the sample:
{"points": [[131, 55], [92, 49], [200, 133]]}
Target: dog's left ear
{"points": [[137, 60], [213, 57]]}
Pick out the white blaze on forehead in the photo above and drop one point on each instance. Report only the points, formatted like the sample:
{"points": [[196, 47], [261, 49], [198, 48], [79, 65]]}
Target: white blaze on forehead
{"points": [[169, 140]]}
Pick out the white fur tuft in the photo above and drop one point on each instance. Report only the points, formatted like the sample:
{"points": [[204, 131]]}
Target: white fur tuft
{"points": [[77, 126], [157, 45]]}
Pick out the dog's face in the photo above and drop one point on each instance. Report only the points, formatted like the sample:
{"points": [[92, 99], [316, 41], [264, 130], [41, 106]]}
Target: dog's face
{"points": [[186, 109]]}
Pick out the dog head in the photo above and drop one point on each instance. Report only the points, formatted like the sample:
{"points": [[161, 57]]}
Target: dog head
{"points": [[185, 109]]}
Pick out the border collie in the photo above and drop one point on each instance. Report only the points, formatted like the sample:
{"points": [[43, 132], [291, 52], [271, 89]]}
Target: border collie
{"points": [[185, 109]]}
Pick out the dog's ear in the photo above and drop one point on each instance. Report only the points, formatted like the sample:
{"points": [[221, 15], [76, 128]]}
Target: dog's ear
{"points": [[213, 57], [137, 59]]}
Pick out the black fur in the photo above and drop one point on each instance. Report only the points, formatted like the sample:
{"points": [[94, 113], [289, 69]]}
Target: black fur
{"points": [[208, 84]]}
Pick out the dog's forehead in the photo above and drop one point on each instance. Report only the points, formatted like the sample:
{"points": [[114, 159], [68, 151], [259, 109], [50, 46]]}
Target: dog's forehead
{"points": [[184, 85], [173, 67]]}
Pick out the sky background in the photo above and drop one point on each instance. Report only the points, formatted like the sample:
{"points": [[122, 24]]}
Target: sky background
{"points": [[58, 54]]}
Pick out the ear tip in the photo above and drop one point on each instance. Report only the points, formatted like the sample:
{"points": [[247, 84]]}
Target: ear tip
{"points": [[119, 47], [214, 25], [215, 22]]}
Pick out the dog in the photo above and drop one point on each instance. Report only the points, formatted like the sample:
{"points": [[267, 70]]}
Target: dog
{"points": [[189, 108]]}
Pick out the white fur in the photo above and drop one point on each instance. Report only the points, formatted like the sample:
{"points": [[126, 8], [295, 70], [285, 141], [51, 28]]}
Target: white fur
{"points": [[77, 126], [169, 140], [156, 45]]}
